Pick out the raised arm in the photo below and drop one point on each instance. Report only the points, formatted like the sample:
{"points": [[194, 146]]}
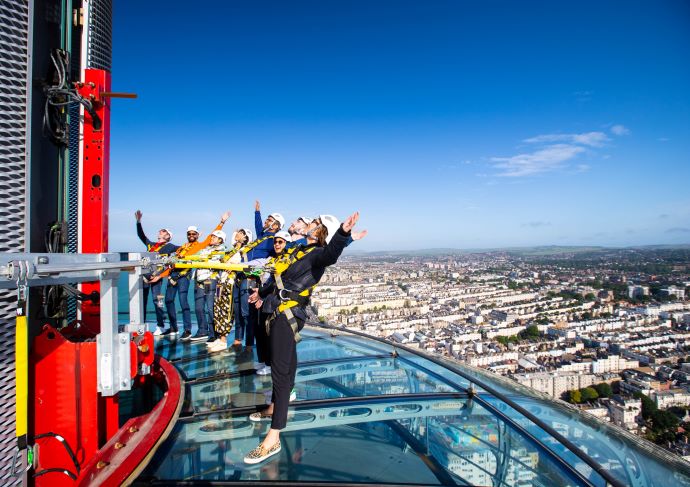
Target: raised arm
{"points": [[140, 230], [258, 222], [340, 240], [224, 217]]}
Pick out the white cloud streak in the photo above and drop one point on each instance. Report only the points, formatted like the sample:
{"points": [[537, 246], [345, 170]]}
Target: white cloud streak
{"points": [[620, 130], [543, 160], [590, 139]]}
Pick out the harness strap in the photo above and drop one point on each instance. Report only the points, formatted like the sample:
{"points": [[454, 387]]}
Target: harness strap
{"points": [[289, 298]]}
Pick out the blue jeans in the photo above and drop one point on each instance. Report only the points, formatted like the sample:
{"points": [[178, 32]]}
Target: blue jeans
{"points": [[240, 300], [182, 287], [204, 297], [155, 290]]}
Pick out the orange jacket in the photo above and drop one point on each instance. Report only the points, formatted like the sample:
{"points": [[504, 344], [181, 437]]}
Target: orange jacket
{"points": [[191, 248]]}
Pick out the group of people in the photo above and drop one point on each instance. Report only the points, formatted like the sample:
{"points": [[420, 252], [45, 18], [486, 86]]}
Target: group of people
{"points": [[265, 301]]}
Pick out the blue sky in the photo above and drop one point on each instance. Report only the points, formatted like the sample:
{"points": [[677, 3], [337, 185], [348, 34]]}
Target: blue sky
{"points": [[460, 124]]}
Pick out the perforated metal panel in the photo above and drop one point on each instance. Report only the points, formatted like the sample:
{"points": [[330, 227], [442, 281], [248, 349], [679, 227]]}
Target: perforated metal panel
{"points": [[14, 52], [100, 35]]}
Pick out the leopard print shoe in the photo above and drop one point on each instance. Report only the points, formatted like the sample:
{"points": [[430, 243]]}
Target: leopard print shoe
{"points": [[259, 454]]}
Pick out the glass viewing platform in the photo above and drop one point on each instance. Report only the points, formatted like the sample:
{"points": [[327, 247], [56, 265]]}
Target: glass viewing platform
{"points": [[369, 412]]}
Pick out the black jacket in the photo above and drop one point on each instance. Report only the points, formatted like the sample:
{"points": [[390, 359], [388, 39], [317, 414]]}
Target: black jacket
{"points": [[305, 273]]}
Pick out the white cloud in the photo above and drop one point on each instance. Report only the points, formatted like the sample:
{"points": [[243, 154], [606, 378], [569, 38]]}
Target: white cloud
{"points": [[543, 160], [620, 130], [591, 139]]}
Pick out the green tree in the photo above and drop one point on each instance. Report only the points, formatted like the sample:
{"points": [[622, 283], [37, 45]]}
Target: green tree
{"points": [[604, 390], [648, 406], [575, 396], [589, 394], [532, 331]]}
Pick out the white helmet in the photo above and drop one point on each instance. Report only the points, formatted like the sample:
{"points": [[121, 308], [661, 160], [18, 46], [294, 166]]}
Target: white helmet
{"points": [[193, 228], [331, 223], [306, 220], [220, 234], [169, 233], [246, 231], [279, 218], [284, 235]]}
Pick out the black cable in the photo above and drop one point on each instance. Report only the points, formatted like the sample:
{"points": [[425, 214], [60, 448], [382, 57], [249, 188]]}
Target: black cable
{"points": [[62, 440], [61, 95], [56, 470]]}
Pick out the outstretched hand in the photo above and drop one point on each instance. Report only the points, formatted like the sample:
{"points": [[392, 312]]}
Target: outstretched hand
{"points": [[257, 205], [350, 222], [138, 214], [225, 217], [359, 235]]}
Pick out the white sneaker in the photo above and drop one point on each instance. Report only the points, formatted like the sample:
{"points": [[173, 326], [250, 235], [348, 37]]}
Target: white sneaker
{"points": [[158, 332], [265, 370], [293, 395], [218, 347], [213, 343]]}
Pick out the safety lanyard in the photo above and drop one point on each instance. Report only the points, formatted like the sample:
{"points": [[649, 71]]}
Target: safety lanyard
{"points": [[250, 246]]}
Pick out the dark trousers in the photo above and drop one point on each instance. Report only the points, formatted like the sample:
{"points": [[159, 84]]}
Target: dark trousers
{"points": [[263, 347], [204, 297], [283, 368], [155, 290], [243, 325], [182, 287]]}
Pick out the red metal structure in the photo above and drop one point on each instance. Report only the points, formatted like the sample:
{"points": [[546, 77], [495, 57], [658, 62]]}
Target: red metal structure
{"points": [[66, 402], [94, 179]]}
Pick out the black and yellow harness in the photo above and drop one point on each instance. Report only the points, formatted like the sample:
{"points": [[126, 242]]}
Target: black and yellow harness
{"points": [[289, 298]]}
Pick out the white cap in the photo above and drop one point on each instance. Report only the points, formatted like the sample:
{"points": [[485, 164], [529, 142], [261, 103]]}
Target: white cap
{"points": [[331, 223], [220, 234], [193, 228], [284, 235], [306, 219], [279, 218], [169, 232]]}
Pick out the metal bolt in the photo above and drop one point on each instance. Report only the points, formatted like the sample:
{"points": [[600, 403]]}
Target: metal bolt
{"points": [[124, 383], [101, 464], [119, 445], [133, 429], [43, 259], [123, 340]]}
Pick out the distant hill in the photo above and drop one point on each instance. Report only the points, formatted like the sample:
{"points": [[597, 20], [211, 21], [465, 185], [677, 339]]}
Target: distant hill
{"points": [[540, 250]]}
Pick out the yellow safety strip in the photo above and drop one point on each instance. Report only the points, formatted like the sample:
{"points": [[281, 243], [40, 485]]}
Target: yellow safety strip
{"points": [[21, 354]]}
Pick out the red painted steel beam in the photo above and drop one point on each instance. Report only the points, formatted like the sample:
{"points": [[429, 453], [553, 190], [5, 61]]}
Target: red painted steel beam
{"points": [[94, 181], [127, 453]]}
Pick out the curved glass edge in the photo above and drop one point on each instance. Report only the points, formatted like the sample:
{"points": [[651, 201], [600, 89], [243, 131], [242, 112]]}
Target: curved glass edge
{"points": [[631, 459]]}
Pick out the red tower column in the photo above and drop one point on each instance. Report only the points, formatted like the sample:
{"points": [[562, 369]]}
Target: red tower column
{"points": [[94, 182]]}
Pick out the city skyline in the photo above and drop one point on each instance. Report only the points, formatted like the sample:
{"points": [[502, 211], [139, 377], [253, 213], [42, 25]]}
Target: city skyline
{"points": [[447, 125]]}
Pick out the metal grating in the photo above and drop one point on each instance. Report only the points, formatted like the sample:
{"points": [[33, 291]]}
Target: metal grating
{"points": [[100, 36], [73, 196], [14, 42]]}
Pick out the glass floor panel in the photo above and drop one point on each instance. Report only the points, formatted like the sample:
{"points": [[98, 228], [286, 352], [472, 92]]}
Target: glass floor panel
{"points": [[355, 421], [232, 361], [355, 377], [174, 349], [425, 442]]}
